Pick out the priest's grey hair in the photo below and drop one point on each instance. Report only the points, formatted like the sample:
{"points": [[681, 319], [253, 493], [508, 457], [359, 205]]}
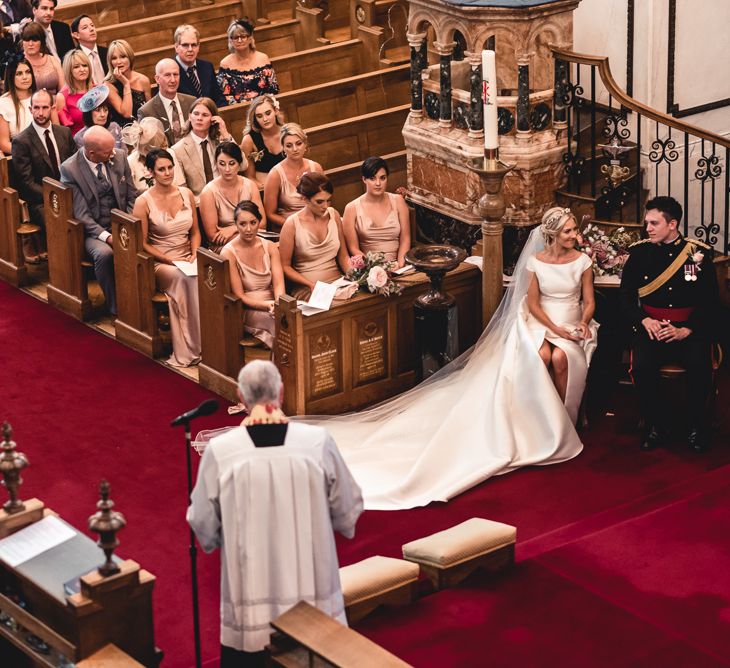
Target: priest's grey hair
{"points": [[260, 383]]}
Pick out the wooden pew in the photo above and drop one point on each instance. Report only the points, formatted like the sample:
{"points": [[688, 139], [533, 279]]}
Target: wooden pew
{"points": [[275, 39], [106, 13], [334, 101], [67, 288], [356, 354], [139, 304], [353, 139], [141, 32], [348, 184], [12, 261], [225, 345], [362, 352]]}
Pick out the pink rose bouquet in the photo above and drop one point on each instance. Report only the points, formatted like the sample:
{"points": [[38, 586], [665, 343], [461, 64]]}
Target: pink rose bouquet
{"points": [[372, 271]]}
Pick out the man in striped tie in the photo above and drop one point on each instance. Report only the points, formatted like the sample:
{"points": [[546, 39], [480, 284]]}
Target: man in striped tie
{"points": [[197, 76]]}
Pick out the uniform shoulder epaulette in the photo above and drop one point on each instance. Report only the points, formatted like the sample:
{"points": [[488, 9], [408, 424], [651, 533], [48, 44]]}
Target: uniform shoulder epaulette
{"points": [[699, 243], [639, 242]]}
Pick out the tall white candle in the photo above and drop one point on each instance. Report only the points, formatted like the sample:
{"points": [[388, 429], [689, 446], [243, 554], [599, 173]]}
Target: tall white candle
{"points": [[489, 99]]}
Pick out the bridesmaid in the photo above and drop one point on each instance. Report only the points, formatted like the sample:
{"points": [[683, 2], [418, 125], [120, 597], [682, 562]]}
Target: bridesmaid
{"points": [[261, 142], [377, 221], [219, 198], [257, 277], [171, 233], [281, 198], [312, 245]]}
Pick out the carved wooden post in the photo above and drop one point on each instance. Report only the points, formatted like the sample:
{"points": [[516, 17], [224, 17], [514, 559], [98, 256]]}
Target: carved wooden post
{"points": [[445, 52], [106, 522], [11, 464], [416, 41], [476, 106]]}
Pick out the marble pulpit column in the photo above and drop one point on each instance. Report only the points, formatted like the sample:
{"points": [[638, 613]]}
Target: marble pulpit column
{"points": [[560, 113], [417, 41], [476, 105], [445, 52], [523, 94]]}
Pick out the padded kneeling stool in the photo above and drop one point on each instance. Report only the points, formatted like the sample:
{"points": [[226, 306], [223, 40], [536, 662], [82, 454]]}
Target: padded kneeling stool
{"points": [[449, 556], [376, 581]]}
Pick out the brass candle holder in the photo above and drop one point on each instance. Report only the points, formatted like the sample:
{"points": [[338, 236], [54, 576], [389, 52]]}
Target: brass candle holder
{"points": [[106, 522], [11, 464]]}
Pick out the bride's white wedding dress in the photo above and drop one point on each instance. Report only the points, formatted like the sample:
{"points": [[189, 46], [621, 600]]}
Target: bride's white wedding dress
{"points": [[490, 411]]}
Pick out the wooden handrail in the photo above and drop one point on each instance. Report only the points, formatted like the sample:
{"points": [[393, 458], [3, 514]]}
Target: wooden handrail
{"points": [[609, 82]]}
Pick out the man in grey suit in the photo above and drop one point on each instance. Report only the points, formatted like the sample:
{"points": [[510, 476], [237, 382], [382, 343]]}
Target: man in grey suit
{"points": [[100, 179], [38, 151], [171, 107]]}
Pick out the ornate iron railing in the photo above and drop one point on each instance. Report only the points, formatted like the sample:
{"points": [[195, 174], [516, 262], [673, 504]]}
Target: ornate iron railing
{"points": [[671, 157]]}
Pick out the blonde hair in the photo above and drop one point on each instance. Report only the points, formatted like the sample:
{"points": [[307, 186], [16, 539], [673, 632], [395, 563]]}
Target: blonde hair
{"points": [[292, 130], [72, 58], [251, 122], [126, 49], [237, 27], [553, 220]]}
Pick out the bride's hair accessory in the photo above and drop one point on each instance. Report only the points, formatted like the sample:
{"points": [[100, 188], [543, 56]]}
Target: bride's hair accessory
{"points": [[552, 222]]}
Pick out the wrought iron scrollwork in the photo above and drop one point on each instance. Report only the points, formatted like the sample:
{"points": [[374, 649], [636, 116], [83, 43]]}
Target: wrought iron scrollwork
{"points": [[708, 232], [708, 167], [612, 199], [432, 104], [573, 163], [571, 94], [616, 127], [663, 150]]}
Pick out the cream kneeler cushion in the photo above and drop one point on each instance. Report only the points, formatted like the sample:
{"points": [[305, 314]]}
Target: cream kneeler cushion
{"points": [[376, 581], [447, 557]]}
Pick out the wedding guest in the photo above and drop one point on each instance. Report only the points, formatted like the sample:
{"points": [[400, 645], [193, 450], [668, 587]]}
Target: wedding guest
{"points": [[83, 31], [312, 244], [219, 198], [245, 73], [58, 34], [47, 69], [377, 221], [281, 197], [12, 15], [149, 135], [170, 230], [100, 181], [261, 139], [77, 72], [96, 111], [38, 151], [257, 277], [15, 114], [168, 105], [197, 76], [128, 89]]}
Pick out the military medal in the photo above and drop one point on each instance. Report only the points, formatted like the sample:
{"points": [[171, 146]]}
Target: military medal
{"points": [[692, 268], [690, 272]]}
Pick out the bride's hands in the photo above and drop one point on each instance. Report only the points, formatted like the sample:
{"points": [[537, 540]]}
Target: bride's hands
{"points": [[564, 333], [585, 332]]}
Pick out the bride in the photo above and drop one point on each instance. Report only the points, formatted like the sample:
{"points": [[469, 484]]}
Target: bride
{"points": [[510, 401]]}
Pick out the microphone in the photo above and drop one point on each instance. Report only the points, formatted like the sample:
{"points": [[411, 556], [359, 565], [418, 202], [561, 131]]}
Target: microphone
{"points": [[208, 407]]}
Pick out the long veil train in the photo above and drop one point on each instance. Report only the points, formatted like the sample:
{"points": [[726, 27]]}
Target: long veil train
{"points": [[491, 410]]}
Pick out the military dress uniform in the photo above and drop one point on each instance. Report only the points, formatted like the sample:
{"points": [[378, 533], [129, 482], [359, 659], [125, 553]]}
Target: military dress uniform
{"points": [[672, 281]]}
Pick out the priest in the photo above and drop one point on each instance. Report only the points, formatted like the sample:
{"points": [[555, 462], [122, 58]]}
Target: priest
{"points": [[270, 494]]}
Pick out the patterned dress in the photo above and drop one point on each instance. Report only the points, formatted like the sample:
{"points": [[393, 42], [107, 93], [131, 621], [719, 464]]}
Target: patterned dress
{"points": [[242, 85]]}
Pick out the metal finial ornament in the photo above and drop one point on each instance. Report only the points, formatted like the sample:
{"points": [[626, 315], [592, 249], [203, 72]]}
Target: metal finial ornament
{"points": [[106, 522], [615, 173], [11, 464]]}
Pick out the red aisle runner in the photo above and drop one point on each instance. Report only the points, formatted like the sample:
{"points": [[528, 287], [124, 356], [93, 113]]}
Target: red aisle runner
{"points": [[84, 407]]}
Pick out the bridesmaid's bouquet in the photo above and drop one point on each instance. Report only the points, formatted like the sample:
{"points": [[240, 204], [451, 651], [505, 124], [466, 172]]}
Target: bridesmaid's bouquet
{"points": [[371, 270], [609, 252]]}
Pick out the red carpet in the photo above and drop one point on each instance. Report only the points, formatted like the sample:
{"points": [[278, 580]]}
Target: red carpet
{"points": [[623, 555]]}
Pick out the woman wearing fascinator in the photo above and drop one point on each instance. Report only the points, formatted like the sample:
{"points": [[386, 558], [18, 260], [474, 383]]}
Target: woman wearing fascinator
{"points": [[510, 401], [95, 110], [245, 73], [143, 135]]}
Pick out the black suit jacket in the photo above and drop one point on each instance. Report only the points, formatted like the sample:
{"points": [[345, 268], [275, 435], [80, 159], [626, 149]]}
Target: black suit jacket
{"points": [[64, 41], [208, 82], [102, 54], [31, 161], [22, 10]]}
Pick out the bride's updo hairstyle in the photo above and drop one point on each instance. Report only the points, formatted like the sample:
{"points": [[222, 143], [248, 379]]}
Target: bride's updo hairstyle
{"points": [[553, 221], [313, 182]]}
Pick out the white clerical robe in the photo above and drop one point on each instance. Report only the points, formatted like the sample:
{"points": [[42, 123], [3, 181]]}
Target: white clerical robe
{"points": [[272, 510]]}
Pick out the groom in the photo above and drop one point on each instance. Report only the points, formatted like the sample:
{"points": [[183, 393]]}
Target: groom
{"points": [[669, 295]]}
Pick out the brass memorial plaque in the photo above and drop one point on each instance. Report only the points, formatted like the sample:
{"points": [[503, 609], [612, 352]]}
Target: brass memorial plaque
{"points": [[325, 362], [371, 348]]}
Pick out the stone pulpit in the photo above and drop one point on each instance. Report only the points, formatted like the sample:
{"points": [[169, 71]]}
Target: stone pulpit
{"points": [[445, 129]]}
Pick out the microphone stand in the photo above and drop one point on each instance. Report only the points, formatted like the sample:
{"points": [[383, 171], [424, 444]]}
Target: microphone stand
{"points": [[184, 420]]}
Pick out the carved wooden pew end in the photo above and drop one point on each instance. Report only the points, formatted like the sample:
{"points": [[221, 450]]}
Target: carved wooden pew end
{"points": [[377, 581], [449, 556]]}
